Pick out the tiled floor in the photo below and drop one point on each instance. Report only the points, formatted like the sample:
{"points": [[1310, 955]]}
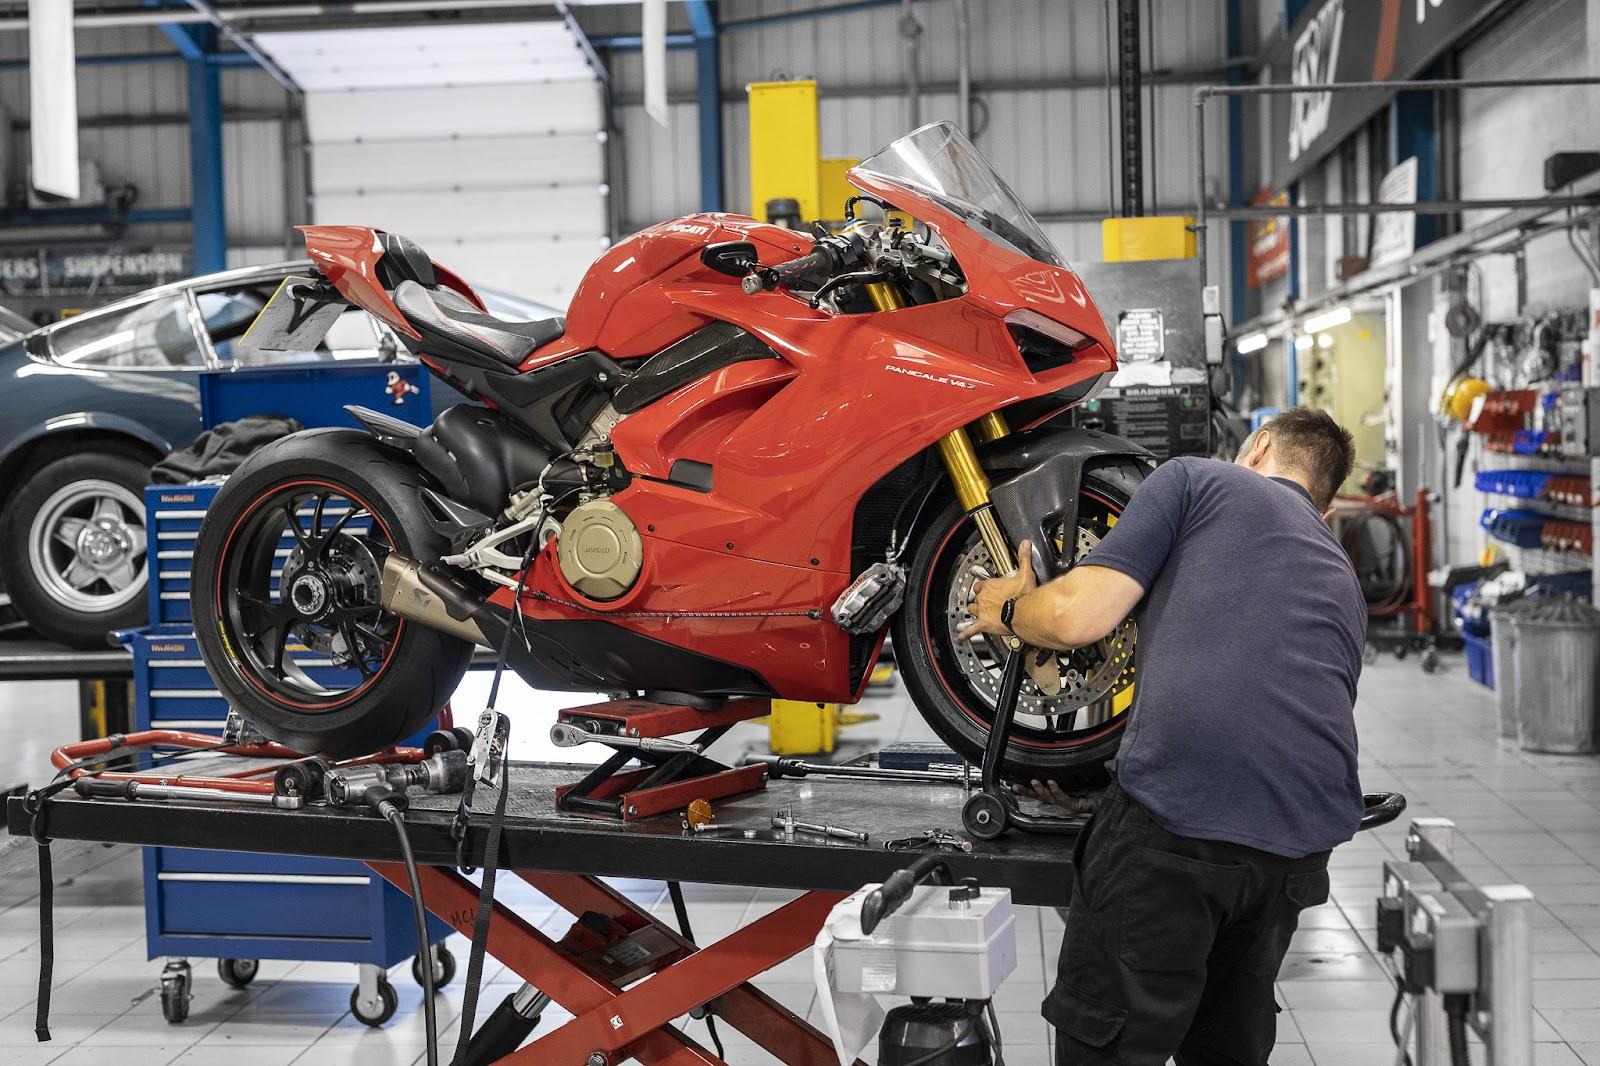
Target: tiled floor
{"points": [[1533, 819]]}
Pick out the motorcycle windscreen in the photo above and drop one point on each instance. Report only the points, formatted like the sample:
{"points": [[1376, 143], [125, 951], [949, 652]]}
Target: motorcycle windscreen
{"points": [[292, 321]]}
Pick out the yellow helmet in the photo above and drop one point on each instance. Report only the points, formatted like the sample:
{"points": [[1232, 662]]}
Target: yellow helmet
{"points": [[1459, 398]]}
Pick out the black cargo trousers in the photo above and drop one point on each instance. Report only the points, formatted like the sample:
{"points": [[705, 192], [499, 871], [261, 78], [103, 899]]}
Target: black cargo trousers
{"points": [[1172, 944]]}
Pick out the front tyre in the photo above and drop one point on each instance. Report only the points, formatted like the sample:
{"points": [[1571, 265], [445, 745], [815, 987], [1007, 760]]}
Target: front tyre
{"points": [[286, 596], [1066, 738]]}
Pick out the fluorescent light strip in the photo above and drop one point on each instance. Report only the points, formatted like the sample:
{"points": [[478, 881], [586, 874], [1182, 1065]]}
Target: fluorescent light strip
{"points": [[1337, 317], [1250, 342]]}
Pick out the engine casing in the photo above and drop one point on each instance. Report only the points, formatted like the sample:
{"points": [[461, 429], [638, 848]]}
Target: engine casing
{"points": [[600, 550]]}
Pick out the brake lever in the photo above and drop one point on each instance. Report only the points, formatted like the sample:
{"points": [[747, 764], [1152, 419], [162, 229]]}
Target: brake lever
{"points": [[859, 277]]}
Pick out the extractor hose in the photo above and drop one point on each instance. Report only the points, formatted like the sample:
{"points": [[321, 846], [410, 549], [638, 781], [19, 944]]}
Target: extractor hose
{"points": [[1455, 1020]]}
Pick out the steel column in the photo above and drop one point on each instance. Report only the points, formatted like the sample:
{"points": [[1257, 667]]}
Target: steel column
{"points": [[1413, 132], [1130, 108], [708, 100], [208, 214]]}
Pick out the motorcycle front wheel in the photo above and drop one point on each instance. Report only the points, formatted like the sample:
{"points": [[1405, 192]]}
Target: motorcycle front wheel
{"points": [[1066, 737], [286, 597]]}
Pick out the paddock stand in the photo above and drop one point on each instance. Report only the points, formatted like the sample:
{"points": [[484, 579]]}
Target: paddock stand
{"points": [[993, 810]]}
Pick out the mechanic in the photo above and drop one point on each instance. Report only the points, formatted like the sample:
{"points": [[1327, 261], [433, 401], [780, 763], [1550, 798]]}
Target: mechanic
{"points": [[1237, 774]]}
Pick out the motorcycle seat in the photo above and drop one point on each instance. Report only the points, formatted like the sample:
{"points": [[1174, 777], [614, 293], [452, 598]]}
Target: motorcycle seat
{"points": [[440, 314]]}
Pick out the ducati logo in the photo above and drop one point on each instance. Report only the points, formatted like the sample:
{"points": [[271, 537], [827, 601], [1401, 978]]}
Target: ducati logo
{"points": [[1044, 286], [399, 388], [1314, 62], [692, 228]]}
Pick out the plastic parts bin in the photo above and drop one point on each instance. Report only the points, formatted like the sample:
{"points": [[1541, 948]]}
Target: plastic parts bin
{"points": [[1480, 659]]}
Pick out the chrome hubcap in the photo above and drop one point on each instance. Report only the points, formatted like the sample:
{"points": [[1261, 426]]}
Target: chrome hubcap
{"points": [[87, 545]]}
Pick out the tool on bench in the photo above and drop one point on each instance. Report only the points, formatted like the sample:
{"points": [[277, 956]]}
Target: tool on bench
{"points": [[786, 766], [789, 826], [931, 840], [673, 772]]}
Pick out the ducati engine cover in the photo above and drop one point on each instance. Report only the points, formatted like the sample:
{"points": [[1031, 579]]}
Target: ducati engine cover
{"points": [[600, 550]]}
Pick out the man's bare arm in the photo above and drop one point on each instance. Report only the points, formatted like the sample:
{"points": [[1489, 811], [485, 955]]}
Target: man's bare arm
{"points": [[1075, 609], [1078, 608]]}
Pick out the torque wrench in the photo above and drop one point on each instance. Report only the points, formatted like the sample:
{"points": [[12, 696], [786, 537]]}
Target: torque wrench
{"points": [[91, 788], [566, 735], [783, 766]]}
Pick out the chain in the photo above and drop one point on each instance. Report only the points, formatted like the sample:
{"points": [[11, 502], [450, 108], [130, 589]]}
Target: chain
{"points": [[545, 597]]}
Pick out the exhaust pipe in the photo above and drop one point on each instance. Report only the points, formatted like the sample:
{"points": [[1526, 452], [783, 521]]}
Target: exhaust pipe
{"points": [[412, 591]]}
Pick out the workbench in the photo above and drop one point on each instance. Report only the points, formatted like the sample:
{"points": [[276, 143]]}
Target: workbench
{"points": [[616, 1016]]}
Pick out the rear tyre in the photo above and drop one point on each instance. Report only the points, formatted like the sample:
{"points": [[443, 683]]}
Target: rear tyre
{"points": [[73, 549], [954, 685], [288, 616]]}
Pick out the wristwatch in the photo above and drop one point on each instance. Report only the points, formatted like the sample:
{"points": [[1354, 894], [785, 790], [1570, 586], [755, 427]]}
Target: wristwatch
{"points": [[1007, 610]]}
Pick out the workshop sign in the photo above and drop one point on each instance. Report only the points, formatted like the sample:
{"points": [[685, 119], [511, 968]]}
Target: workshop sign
{"points": [[78, 270], [1394, 233], [1268, 253], [1141, 335], [1354, 40]]}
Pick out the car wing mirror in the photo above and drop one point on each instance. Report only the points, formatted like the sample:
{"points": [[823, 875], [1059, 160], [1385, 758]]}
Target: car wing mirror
{"points": [[733, 258]]}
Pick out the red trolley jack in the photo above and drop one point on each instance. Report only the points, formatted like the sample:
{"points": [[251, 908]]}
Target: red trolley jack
{"points": [[674, 771]]}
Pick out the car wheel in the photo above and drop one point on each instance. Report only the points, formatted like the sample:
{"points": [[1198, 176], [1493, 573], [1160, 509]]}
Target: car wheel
{"points": [[74, 550]]}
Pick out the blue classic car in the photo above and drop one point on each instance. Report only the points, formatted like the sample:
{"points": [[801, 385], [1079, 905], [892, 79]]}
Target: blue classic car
{"points": [[91, 402]]}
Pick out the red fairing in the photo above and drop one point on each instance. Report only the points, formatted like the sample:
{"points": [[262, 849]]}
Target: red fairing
{"points": [[794, 442]]}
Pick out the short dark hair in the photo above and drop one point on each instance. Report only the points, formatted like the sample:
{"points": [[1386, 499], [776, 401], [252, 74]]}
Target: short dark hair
{"points": [[1311, 442]]}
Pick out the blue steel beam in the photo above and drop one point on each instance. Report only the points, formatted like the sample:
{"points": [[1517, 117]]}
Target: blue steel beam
{"points": [[1413, 132], [708, 100], [197, 43], [1238, 253], [64, 216]]}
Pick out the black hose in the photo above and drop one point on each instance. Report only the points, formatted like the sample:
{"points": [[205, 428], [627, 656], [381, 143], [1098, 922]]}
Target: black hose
{"points": [[1399, 589], [430, 1021], [1394, 1024], [680, 909], [1455, 1020]]}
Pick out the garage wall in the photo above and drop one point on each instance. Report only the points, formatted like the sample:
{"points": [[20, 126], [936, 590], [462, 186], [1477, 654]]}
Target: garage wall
{"points": [[1039, 65], [136, 130], [1507, 133]]}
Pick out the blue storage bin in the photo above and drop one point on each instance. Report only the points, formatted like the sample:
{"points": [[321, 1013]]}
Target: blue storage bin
{"points": [[227, 904], [1480, 659], [1468, 617], [1514, 526], [1524, 484]]}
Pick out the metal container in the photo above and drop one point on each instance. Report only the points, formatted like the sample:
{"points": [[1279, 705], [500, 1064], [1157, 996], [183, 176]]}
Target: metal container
{"points": [[1557, 675], [1503, 640]]}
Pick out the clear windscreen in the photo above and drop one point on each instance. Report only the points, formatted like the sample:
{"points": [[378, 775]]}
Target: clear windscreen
{"points": [[940, 163]]}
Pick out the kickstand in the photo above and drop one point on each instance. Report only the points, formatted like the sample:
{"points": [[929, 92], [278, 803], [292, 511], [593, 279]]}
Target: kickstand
{"points": [[990, 812]]}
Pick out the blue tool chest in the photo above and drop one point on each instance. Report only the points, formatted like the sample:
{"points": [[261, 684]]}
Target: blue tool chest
{"points": [[227, 904]]}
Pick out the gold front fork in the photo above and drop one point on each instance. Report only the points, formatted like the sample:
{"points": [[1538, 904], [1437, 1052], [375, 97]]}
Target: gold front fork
{"points": [[972, 490]]}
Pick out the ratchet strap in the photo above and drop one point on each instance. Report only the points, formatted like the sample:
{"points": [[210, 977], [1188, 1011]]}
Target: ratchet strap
{"points": [[35, 806], [480, 924]]}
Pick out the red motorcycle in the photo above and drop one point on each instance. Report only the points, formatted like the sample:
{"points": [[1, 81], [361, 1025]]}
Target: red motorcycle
{"points": [[744, 456]]}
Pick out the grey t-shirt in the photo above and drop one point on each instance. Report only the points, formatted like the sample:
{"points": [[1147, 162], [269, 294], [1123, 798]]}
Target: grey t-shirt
{"points": [[1250, 635]]}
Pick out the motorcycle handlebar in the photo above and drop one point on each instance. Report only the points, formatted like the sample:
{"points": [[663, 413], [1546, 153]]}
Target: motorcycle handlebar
{"points": [[812, 268]]}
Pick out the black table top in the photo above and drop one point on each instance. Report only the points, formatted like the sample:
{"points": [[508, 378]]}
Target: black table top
{"points": [[538, 838]]}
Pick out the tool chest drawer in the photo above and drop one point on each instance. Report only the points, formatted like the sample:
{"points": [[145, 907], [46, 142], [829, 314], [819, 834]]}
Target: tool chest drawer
{"points": [[173, 514]]}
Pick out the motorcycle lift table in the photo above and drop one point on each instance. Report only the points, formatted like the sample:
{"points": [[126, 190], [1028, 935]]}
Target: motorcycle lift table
{"points": [[616, 1015]]}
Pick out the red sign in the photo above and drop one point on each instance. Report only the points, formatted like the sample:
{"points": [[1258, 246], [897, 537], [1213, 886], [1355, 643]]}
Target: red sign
{"points": [[1269, 243]]}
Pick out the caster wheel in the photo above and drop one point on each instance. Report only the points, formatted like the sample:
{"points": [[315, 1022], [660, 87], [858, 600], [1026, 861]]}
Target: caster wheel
{"points": [[175, 983], [1430, 660], [984, 816], [1369, 653], [1400, 653], [444, 967], [236, 973], [375, 1013]]}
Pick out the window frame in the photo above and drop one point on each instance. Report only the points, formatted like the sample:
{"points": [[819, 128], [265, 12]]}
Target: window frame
{"points": [[202, 343]]}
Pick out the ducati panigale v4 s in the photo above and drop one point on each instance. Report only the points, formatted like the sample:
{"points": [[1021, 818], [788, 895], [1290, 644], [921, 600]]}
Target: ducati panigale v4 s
{"points": [[745, 456]]}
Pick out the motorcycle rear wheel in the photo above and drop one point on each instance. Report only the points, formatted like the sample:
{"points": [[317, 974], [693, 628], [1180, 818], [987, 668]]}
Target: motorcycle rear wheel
{"points": [[954, 685], [287, 616]]}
